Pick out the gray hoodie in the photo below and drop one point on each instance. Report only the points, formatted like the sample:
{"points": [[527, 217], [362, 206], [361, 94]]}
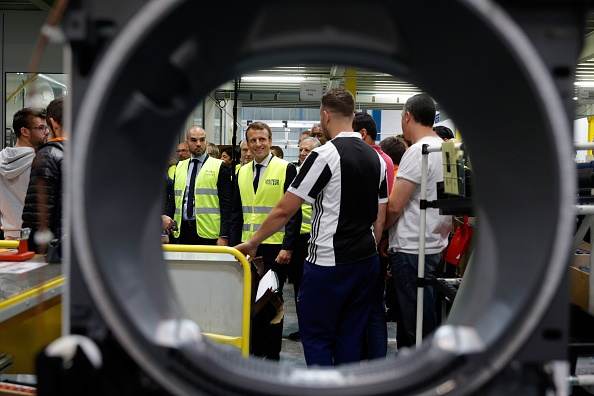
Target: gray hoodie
{"points": [[15, 167]]}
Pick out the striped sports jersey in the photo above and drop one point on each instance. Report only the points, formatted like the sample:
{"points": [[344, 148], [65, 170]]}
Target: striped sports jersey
{"points": [[344, 180]]}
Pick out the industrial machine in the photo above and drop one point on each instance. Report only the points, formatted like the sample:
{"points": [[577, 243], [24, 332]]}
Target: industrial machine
{"points": [[503, 70]]}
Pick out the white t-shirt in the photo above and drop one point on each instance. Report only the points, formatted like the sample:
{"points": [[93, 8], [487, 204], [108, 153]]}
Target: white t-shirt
{"points": [[404, 235]]}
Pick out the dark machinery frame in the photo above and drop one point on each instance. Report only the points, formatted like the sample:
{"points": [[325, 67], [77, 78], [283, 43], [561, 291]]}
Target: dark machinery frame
{"points": [[503, 70]]}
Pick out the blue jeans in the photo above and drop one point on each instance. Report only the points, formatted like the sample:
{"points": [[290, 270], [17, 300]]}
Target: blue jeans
{"points": [[404, 274]]}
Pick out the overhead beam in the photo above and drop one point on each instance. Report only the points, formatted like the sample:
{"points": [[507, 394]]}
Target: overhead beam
{"points": [[587, 49], [41, 4], [336, 76]]}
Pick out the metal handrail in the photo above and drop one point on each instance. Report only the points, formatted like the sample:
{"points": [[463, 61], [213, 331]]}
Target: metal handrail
{"points": [[242, 342], [9, 244]]}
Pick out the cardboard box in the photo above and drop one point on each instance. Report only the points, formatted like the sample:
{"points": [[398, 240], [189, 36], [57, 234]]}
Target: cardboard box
{"points": [[580, 280]]}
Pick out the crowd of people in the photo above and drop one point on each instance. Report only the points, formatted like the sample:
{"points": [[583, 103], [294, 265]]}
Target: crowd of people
{"points": [[31, 179], [341, 223]]}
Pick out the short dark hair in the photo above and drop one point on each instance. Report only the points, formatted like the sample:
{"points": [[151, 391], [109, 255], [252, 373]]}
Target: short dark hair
{"points": [[394, 147], [365, 120], [278, 150], [228, 150], [24, 117], [422, 109], [401, 136], [443, 132], [339, 100], [259, 126], [55, 109]]}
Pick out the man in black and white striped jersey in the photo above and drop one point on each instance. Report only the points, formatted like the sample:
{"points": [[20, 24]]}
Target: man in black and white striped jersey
{"points": [[345, 180]]}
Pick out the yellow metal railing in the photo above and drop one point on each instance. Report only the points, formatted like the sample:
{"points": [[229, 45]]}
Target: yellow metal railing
{"points": [[32, 292], [13, 244], [242, 342]]}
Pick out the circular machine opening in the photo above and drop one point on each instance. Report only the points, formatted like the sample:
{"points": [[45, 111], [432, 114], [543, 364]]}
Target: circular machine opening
{"points": [[517, 270]]}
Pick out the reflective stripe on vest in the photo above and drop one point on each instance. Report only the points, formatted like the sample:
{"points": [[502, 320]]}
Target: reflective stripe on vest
{"points": [[200, 211], [256, 207], [306, 221], [255, 227], [207, 209]]}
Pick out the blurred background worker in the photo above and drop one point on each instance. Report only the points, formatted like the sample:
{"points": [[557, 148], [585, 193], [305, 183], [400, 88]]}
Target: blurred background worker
{"points": [[183, 153], [42, 212], [443, 132], [277, 151], [306, 146], [245, 155], [316, 132], [31, 131], [213, 150]]}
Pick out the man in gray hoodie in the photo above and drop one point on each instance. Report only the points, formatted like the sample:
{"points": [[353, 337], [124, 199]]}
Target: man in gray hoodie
{"points": [[31, 131]]}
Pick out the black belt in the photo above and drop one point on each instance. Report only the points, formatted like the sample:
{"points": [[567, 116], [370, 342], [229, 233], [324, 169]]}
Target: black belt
{"points": [[189, 223]]}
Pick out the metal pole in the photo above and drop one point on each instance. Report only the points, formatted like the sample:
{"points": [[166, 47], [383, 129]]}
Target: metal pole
{"points": [[583, 146], [234, 137], [421, 263], [586, 379]]}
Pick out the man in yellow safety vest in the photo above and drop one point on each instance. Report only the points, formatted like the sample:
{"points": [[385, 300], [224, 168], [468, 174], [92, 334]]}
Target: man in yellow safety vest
{"points": [[260, 185], [202, 195]]}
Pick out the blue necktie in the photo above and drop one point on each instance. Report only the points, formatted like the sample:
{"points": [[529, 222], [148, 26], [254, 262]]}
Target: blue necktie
{"points": [[191, 192]]}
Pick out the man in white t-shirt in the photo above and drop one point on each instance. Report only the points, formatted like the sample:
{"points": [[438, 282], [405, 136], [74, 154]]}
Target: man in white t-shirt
{"points": [[403, 216]]}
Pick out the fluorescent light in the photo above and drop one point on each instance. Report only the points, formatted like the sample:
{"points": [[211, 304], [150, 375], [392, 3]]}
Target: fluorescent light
{"points": [[277, 79], [393, 95], [290, 124], [584, 83]]}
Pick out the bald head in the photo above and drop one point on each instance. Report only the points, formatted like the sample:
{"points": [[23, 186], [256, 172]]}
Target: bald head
{"points": [[196, 139]]}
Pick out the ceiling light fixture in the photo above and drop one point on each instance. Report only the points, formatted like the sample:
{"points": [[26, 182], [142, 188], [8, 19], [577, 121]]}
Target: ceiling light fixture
{"points": [[274, 79]]}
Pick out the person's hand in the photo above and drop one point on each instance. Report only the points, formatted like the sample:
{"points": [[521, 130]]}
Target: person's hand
{"points": [[382, 248], [167, 224], [284, 257], [222, 241], [248, 249]]}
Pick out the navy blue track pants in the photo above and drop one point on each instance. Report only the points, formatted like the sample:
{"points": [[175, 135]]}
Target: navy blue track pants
{"points": [[333, 308]]}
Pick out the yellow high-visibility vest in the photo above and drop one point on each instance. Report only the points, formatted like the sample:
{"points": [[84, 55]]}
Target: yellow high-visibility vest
{"points": [[306, 221], [206, 197], [256, 207]]}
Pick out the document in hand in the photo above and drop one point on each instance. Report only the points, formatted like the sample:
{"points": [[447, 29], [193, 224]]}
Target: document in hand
{"points": [[268, 282]]}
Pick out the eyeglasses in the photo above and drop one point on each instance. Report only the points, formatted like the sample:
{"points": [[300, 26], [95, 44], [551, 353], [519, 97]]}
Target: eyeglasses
{"points": [[181, 151], [42, 128]]}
